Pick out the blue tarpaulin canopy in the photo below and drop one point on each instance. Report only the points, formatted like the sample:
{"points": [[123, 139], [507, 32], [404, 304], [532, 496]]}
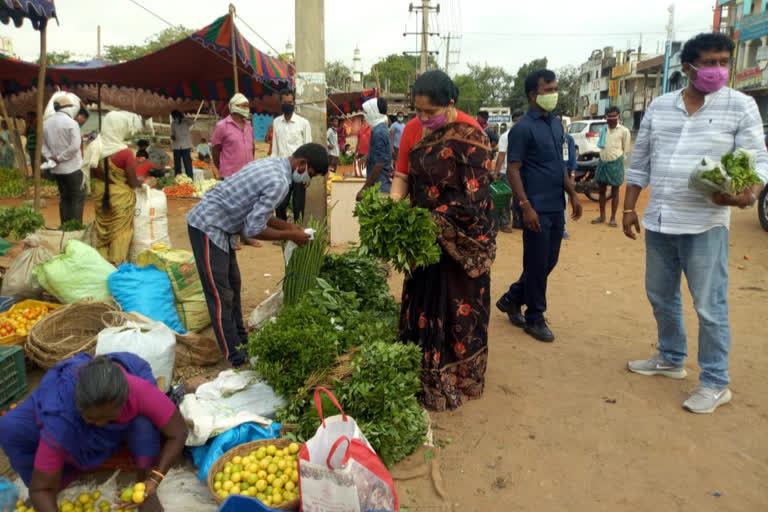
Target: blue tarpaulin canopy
{"points": [[38, 12]]}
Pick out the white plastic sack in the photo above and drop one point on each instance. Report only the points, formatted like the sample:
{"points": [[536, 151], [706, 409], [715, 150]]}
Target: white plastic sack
{"points": [[153, 342], [55, 240], [266, 310], [234, 398], [150, 222], [20, 281], [198, 174]]}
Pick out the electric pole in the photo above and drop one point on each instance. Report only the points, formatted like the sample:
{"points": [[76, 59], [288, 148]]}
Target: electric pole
{"points": [[311, 89], [425, 9], [448, 52]]}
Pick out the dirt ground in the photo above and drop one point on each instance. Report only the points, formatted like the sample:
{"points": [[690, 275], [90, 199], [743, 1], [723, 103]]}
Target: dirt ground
{"points": [[564, 426]]}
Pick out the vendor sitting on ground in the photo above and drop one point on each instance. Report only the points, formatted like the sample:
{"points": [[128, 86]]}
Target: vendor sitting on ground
{"points": [[242, 205], [82, 414]]}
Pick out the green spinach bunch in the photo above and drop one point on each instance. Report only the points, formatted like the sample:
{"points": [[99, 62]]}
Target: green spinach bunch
{"points": [[396, 232], [71, 225], [17, 223], [353, 271]]}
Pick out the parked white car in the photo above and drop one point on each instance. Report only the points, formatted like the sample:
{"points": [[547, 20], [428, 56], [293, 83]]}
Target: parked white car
{"points": [[586, 133]]}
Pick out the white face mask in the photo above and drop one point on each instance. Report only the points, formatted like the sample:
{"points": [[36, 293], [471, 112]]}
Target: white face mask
{"points": [[242, 111], [302, 176]]}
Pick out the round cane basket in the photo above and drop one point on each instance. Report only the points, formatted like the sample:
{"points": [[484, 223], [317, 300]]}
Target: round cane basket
{"points": [[69, 330], [243, 450]]}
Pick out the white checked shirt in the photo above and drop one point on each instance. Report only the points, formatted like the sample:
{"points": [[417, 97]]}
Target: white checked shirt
{"points": [[288, 136], [62, 140], [669, 145]]}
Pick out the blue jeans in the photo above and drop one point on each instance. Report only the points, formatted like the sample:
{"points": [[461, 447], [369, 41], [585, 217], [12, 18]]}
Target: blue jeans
{"points": [[540, 254], [704, 259], [182, 155]]}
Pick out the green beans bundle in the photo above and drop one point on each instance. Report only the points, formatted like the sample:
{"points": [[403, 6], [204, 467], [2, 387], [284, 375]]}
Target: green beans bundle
{"points": [[303, 268]]}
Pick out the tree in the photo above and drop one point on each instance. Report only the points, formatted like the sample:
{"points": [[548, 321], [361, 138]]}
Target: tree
{"points": [[336, 74], [55, 58], [166, 37], [401, 70], [469, 95], [517, 98], [568, 81]]}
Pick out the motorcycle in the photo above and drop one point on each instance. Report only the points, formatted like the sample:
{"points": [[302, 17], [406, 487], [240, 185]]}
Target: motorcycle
{"points": [[584, 176], [762, 208]]}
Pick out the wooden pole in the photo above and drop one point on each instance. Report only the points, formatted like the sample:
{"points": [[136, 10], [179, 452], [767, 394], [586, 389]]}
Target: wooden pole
{"points": [[234, 47], [98, 42], [20, 158], [40, 112], [98, 100]]}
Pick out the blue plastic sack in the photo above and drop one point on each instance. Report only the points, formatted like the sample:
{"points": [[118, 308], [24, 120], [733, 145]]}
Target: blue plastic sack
{"points": [[204, 456], [6, 303], [237, 503], [8, 495], [145, 290]]}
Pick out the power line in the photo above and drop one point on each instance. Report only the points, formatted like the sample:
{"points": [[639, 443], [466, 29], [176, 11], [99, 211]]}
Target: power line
{"points": [[153, 13], [571, 34]]}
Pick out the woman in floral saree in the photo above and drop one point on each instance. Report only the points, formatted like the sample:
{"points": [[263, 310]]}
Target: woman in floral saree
{"points": [[444, 166]]}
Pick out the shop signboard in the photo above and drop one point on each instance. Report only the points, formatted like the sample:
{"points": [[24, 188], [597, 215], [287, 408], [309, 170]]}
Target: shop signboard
{"points": [[613, 88], [753, 26], [749, 78]]}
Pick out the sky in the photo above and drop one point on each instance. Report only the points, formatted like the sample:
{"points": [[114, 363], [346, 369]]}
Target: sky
{"points": [[496, 32]]}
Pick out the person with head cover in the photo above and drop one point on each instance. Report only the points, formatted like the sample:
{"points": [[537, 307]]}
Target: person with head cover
{"points": [[380, 148], [444, 166], [84, 412], [61, 148], [113, 164], [232, 140], [242, 205]]}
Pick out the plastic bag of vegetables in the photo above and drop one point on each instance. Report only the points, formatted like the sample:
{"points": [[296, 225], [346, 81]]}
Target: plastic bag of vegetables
{"points": [[732, 175]]}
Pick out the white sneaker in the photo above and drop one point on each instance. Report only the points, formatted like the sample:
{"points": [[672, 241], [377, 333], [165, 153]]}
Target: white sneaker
{"points": [[705, 400], [657, 365]]}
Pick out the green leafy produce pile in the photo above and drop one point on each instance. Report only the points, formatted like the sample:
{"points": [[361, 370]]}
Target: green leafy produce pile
{"points": [[356, 272], [165, 181], [17, 223], [72, 225], [11, 184], [738, 166], [396, 232], [342, 333]]}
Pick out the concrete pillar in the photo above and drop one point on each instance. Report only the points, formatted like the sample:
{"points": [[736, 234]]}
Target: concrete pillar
{"points": [[310, 88]]}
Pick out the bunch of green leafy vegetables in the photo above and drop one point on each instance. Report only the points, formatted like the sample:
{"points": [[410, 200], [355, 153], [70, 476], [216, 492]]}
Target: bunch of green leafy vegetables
{"points": [[738, 165], [354, 271], [380, 394], [17, 223], [396, 232], [165, 181], [71, 225]]}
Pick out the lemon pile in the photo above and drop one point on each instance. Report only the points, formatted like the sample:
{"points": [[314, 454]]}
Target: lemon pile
{"points": [[82, 503], [269, 474], [133, 494]]}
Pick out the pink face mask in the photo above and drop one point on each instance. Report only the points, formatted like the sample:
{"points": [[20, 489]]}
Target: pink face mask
{"points": [[709, 80], [434, 123]]}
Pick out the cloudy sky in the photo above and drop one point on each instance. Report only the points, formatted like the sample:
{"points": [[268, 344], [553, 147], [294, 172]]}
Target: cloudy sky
{"points": [[498, 32]]}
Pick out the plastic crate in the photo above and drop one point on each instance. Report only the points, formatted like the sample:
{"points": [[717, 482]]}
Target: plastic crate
{"points": [[13, 375]]}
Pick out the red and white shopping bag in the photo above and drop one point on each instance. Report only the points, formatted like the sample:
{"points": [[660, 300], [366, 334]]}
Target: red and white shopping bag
{"points": [[360, 170], [339, 471]]}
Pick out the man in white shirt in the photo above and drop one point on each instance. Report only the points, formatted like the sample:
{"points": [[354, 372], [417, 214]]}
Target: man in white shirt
{"points": [[61, 149], [290, 131], [686, 231], [332, 136], [505, 217], [614, 145]]}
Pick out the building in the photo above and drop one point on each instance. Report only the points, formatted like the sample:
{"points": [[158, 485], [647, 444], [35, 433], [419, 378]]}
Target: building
{"points": [[593, 90], [629, 86], [357, 67], [747, 22], [6, 46]]}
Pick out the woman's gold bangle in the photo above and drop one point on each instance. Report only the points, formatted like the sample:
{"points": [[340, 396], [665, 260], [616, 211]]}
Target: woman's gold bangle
{"points": [[629, 211]]}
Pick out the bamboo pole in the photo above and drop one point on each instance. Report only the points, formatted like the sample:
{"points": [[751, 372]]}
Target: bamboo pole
{"points": [[98, 100], [234, 47], [20, 158], [40, 112]]}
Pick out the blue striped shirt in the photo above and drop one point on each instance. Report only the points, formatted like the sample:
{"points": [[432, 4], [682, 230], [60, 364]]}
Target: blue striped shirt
{"points": [[244, 201], [669, 145]]}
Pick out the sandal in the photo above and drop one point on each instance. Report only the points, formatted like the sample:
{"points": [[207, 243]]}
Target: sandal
{"points": [[599, 220], [613, 224]]}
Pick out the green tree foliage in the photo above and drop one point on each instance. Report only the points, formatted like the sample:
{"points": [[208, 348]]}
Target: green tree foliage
{"points": [[401, 70], [55, 58], [336, 74], [469, 95], [568, 82], [166, 37], [516, 98], [483, 86]]}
